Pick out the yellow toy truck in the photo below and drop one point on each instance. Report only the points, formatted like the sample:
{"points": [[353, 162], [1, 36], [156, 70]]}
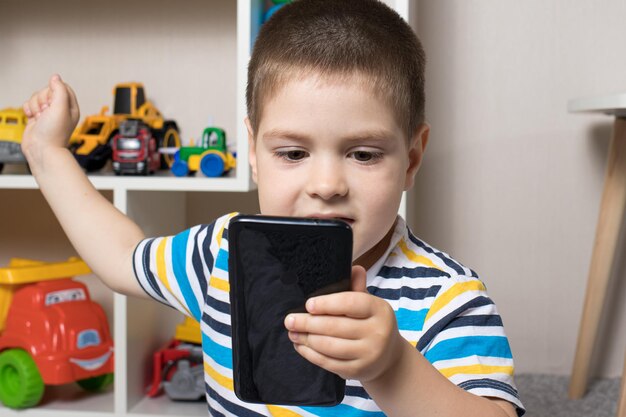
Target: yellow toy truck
{"points": [[51, 332], [12, 125], [91, 140]]}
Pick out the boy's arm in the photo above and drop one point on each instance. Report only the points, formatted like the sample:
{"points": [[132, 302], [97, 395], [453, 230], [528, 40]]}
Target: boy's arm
{"points": [[102, 236], [354, 334], [413, 387]]}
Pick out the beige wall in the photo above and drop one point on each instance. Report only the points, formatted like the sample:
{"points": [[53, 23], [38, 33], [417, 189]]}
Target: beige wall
{"points": [[183, 52], [511, 182]]}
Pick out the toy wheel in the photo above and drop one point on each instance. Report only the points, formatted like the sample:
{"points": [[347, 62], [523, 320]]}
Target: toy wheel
{"points": [[212, 165], [146, 167], [180, 168], [97, 159], [21, 385], [171, 139], [97, 383]]}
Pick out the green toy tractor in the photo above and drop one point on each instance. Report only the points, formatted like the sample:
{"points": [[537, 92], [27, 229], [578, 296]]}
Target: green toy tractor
{"points": [[211, 157]]}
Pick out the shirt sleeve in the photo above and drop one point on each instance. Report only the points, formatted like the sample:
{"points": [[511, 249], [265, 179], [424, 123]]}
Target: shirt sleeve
{"points": [[175, 270], [464, 339]]}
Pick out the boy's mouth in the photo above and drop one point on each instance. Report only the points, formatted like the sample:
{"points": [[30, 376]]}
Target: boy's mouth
{"points": [[333, 216]]}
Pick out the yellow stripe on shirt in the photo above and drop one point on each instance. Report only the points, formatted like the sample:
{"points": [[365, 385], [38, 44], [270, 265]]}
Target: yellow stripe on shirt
{"points": [[219, 378], [219, 283], [412, 256], [162, 272], [277, 411], [451, 293], [476, 369], [221, 232]]}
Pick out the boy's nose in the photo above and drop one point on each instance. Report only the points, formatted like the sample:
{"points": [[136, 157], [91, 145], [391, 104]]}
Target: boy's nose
{"points": [[327, 182]]}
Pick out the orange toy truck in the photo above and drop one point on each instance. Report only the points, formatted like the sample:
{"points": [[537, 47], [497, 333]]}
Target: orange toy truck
{"points": [[51, 332]]}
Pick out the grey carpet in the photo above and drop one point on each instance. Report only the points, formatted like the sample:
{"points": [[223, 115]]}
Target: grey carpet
{"points": [[546, 396]]}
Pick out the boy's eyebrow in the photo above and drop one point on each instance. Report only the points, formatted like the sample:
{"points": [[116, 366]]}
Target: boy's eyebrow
{"points": [[285, 134], [367, 135]]}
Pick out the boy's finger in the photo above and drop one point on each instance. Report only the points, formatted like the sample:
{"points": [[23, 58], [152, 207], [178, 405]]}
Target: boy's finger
{"points": [[332, 347], [359, 279], [335, 326], [26, 108], [42, 99], [58, 90], [73, 102], [353, 304], [33, 104], [336, 366]]}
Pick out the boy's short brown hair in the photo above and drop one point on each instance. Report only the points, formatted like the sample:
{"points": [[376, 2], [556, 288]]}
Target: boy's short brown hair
{"points": [[340, 38]]}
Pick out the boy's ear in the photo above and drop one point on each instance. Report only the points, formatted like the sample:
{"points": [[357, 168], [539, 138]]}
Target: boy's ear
{"points": [[251, 149], [417, 147]]}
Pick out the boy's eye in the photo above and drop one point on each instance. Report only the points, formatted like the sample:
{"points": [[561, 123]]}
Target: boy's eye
{"points": [[293, 155], [366, 156]]}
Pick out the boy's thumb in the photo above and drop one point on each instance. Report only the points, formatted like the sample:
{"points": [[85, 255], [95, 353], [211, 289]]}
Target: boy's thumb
{"points": [[359, 279], [57, 88]]}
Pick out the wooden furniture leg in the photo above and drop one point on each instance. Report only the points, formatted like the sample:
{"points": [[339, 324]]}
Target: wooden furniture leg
{"points": [[621, 407], [607, 234]]}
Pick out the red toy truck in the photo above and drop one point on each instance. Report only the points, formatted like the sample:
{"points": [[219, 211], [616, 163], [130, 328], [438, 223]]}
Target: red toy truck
{"points": [[51, 332], [135, 149], [177, 367]]}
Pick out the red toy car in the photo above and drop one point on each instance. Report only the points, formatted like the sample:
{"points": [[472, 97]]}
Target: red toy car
{"points": [[135, 149], [51, 332]]}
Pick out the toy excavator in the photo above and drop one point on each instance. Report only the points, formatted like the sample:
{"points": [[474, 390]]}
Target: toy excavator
{"points": [[91, 141]]}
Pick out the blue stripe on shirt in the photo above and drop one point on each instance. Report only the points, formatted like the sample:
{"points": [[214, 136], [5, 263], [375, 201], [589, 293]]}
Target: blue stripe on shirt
{"points": [[222, 260], [179, 258], [412, 320], [462, 347], [220, 354], [342, 410]]}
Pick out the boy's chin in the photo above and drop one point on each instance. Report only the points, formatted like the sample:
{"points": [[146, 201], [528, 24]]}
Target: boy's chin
{"points": [[369, 258]]}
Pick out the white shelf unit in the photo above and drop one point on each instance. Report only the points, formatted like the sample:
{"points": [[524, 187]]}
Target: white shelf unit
{"points": [[160, 204]]}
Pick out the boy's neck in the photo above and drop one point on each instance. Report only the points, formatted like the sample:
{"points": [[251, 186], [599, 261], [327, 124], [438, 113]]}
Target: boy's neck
{"points": [[370, 257]]}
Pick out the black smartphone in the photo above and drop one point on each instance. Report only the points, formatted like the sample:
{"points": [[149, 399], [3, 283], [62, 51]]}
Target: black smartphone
{"points": [[275, 264]]}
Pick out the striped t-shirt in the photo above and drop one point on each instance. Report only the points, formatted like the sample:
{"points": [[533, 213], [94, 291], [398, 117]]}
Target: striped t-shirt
{"points": [[441, 308]]}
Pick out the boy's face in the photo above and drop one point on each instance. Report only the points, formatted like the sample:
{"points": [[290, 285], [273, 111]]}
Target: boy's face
{"points": [[330, 148]]}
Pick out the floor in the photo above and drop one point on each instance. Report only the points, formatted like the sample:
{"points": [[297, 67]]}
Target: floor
{"points": [[546, 396]]}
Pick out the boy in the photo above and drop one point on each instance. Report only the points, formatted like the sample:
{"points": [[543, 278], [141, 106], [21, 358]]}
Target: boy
{"points": [[336, 130]]}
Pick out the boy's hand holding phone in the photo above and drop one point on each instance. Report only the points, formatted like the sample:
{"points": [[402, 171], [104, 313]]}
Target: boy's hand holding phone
{"points": [[353, 334], [52, 115]]}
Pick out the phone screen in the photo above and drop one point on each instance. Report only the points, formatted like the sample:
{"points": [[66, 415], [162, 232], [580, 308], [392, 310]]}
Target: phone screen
{"points": [[275, 265]]}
